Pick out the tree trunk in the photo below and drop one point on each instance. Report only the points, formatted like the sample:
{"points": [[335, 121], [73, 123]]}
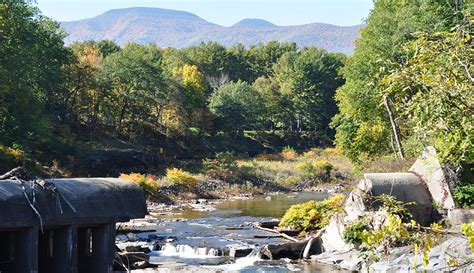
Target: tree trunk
{"points": [[395, 131]]}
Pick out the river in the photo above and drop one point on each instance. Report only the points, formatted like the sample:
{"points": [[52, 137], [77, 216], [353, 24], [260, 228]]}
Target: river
{"points": [[202, 237]]}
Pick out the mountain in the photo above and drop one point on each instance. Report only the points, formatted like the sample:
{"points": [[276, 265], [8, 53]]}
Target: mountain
{"points": [[172, 28], [253, 23]]}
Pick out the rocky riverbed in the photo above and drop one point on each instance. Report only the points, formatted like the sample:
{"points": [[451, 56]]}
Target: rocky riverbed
{"points": [[222, 236], [214, 235]]}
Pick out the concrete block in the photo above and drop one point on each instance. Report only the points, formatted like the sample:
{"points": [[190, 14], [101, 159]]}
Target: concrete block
{"points": [[429, 169]]}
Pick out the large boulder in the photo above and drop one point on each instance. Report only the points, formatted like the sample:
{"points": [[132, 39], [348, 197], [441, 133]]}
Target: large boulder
{"points": [[429, 169]]}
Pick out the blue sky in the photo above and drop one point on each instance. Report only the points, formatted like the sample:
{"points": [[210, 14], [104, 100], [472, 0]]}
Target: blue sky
{"points": [[224, 12]]}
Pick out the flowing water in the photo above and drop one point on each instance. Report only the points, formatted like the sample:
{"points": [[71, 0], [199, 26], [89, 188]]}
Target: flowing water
{"points": [[201, 237]]}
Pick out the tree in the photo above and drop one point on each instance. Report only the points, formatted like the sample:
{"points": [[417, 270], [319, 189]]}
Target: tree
{"points": [[83, 96], [363, 126], [262, 56], [309, 80], [433, 93], [31, 56], [134, 75], [276, 108], [237, 107], [211, 58], [192, 101]]}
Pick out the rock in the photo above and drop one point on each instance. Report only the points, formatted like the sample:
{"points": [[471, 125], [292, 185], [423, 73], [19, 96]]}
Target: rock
{"points": [[239, 252], [133, 257], [152, 237], [402, 259], [268, 198], [287, 250], [269, 224], [428, 168], [235, 228], [332, 238], [140, 265], [458, 216], [133, 247], [138, 225], [132, 237], [157, 247], [349, 260]]}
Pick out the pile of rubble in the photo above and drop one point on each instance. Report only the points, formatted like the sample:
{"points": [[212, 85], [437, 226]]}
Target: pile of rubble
{"points": [[425, 184]]}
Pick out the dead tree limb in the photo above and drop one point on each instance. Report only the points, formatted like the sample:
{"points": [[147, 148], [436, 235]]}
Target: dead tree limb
{"points": [[395, 130]]}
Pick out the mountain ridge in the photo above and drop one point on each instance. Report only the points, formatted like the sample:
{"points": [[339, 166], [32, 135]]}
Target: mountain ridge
{"points": [[173, 28]]}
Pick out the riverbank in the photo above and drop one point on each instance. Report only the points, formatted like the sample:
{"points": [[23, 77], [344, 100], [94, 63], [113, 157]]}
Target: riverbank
{"points": [[388, 222], [227, 175]]}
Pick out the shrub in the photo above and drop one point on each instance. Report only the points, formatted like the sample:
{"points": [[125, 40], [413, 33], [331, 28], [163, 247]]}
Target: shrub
{"points": [[320, 169], [354, 230], [306, 167], [468, 230], [148, 183], [464, 195], [182, 178], [289, 181], [269, 157], [330, 151], [310, 154], [323, 165], [11, 157], [223, 161], [393, 232], [288, 153], [312, 215]]}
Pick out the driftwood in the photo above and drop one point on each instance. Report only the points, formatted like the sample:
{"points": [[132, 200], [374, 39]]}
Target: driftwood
{"points": [[277, 232], [14, 172]]}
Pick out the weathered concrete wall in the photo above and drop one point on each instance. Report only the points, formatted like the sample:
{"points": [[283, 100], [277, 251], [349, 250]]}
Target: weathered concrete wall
{"points": [[80, 201], [406, 187], [73, 228]]}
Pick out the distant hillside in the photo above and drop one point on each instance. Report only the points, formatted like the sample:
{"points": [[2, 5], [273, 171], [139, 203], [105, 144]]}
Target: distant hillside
{"points": [[171, 28]]}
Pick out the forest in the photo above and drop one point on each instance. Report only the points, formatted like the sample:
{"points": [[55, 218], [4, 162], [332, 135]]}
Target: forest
{"points": [[409, 84]]}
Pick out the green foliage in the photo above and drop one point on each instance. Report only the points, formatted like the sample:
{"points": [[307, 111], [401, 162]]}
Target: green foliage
{"points": [[312, 215], [353, 232], [392, 205], [308, 80], [31, 55], [319, 169], [388, 228], [11, 157], [391, 233], [135, 77], [433, 91], [323, 165], [468, 230], [379, 239], [237, 107], [362, 126], [223, 161], [464, 195]]}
